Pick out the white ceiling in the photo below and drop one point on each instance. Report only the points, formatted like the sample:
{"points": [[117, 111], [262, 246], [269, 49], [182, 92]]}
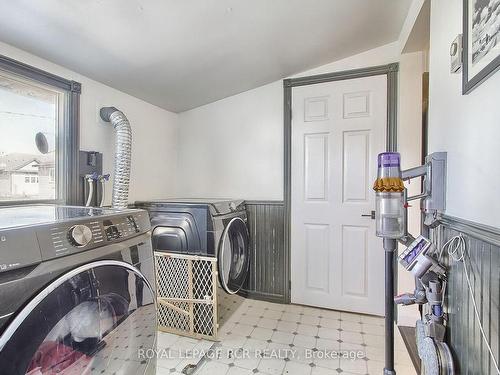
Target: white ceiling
{"points": [[180, 54]]}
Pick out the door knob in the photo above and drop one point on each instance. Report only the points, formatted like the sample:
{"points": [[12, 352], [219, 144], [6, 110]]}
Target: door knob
{"points": [[370, 215]]}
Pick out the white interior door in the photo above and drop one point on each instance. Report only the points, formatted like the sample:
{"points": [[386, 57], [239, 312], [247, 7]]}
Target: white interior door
{"points": [[338, 128]]}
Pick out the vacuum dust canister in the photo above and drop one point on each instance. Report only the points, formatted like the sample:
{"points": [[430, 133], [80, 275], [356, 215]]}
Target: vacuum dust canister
{"points": [[389, 197]]}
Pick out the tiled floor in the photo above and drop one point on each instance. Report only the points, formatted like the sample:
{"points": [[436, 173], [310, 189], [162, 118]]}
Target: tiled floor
{"points": [[272, 339]]}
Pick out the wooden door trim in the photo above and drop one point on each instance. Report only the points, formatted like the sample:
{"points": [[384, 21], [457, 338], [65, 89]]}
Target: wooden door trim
{"points": [[391, 71]]}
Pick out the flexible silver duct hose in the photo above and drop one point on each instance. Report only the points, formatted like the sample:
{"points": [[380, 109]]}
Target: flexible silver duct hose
{"points": [[123, 155]]}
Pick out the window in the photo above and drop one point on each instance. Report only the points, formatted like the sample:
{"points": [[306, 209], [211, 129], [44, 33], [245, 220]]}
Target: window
{"points": [[39, 128]]}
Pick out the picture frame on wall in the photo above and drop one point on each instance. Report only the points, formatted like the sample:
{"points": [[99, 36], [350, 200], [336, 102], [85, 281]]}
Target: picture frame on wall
{"points": [[481, 42]]}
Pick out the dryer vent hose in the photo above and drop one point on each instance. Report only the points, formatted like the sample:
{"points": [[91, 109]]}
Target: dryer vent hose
{"points": [[123, 155]]}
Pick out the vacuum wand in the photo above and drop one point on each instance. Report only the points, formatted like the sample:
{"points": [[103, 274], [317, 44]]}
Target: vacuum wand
{"points": [[390, 245]]}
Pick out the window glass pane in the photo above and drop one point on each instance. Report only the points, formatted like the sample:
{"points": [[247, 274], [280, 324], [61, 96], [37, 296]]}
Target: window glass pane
{"points": [[26, 109]]}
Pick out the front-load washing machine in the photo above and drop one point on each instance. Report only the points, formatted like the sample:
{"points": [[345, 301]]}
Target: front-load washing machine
{"points": [[206, 227], [76, 290]]}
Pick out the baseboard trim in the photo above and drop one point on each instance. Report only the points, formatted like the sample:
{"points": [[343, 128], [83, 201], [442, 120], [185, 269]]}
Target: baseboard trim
{"points": [[275, 298]]}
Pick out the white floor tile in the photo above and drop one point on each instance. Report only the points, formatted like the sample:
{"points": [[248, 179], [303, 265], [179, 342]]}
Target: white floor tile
{"points": [[347, 325], [251, 362], [283, 337], [239, 371], [287, 327], [374, 340], [255, 344], [355, 366], [272, 314], [330, 314], [297, 309], [291, 317], [309, 319], [226, 327], [167, 363], [203, 345], [267, 323], [303, 355], [212, 368], [373, 329], [304, 341], [326, 344], [329, 323], [352, 337], [163, 371], [321, 371], [330, 363], [276, 306], [233, 341], [225, 355], [350, 317], [307, 330], [372, 320], [242, 329], [258, 312], [283, 349], [347, 346], [262, 333], [297, 368], [251, 320], [312, 311], [328, 333], [165, 340], [184, 344], [272, 366]]}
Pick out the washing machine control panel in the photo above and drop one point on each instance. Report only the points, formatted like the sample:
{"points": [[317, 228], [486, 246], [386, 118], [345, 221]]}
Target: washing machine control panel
{"points": [[123, 228], [65, 239], [79, 235]]}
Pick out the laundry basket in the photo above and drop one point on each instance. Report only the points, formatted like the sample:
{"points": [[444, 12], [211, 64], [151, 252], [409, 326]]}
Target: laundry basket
{"points": [[186, 288]]}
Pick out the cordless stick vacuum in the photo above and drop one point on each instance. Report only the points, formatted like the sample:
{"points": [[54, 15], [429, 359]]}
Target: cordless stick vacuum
{"points": [[430, 276], [390, 225]]}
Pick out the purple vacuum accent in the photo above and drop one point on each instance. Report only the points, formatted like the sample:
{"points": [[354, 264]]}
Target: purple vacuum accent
{"points": [[437, 310], [389, 159]]}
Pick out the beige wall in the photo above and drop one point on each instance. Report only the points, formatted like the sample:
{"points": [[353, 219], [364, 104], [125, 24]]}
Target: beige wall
{"points": [[234, 147], [411, 68], [466, 126], [154, 155]]}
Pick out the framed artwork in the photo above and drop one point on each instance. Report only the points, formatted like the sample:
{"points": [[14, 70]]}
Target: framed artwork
{"points": [[481, 42]]}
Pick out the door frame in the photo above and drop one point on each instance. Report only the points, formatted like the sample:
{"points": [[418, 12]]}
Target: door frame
{"points": [[391, 71]]}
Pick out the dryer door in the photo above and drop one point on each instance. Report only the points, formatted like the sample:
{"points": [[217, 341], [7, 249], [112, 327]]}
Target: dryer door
{"points": [[234, 258], [97, 318]]}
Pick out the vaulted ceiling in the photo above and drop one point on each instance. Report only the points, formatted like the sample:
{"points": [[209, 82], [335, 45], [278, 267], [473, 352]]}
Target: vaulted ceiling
{"points": [[180, 54]]}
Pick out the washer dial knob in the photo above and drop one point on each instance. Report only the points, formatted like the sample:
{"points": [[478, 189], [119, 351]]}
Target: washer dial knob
{"points": [[80, 235]]}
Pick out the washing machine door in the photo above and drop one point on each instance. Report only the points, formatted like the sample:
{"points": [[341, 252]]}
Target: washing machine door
{"points": [[98, 318], [233, 256]]}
